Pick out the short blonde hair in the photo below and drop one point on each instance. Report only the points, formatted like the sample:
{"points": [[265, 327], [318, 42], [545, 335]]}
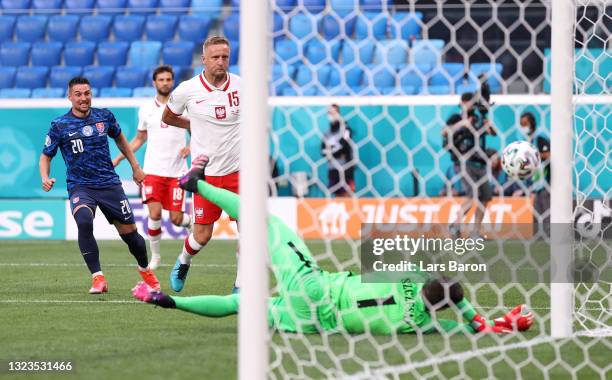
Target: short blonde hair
{"points": [[216, 40]]}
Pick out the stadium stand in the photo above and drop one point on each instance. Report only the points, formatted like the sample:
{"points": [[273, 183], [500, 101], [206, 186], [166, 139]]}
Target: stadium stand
{"points": [[99, 76], [81, 7], [63, 28], [115, 92], [15, 53], [346, 36], [130, 76], [112, 53], [31, 77], [7, 76], [31, 28], [160, 28], [9, 93], [47, 6], [128, 28], [48, 92], [60, 75], [47, 53], [95, 28]]}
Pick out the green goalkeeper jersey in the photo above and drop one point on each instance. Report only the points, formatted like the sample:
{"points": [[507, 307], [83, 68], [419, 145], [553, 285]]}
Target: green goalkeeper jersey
{"points": [[378, 308]]}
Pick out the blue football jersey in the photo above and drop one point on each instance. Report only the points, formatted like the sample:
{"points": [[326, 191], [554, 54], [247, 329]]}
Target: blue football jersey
{"points": [[84, 147]]}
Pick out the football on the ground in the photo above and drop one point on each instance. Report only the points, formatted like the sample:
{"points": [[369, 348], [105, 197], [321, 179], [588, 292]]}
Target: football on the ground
{"points": [[520, 160]]}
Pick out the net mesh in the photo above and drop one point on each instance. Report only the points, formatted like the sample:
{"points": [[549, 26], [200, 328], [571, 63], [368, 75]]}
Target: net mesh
{"points": [[401, 171]]}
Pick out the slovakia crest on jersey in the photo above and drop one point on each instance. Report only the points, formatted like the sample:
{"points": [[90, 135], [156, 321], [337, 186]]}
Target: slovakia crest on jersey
{"points": [[87, 130], [220, 112], [100, 127]]}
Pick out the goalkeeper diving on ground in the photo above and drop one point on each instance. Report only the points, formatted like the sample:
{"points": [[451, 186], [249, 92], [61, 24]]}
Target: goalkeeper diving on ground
{"points": [[312, 300]]}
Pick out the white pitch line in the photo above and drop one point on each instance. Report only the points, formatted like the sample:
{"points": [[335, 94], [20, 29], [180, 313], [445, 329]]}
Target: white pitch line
{"points": [[107, 265]]}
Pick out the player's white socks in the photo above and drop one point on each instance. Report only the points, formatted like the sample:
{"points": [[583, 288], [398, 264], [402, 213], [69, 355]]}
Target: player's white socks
{"points": [[186, 220], [97, 274], [190, 248], [154, 232]]}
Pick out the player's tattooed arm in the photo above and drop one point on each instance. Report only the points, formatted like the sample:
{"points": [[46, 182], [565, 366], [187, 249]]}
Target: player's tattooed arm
{"points": [[135, 144], [173, 119], [44, 167], [124, 147]]}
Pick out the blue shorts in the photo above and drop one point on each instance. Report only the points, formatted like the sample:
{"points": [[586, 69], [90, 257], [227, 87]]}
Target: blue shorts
{"points": [[112, 202]]}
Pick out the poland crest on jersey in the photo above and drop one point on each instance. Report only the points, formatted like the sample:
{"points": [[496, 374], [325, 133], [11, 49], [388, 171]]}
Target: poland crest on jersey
{"points": [[220, 112]]}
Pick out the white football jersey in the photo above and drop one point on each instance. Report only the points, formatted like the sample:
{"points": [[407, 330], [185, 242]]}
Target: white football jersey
{"points": [[214, 114], [164, 142]]}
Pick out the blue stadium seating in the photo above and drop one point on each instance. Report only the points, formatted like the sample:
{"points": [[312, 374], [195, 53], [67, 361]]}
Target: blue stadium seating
{"points": [[15, 93], [79, 53], [31, 77], [427, 52], [160, 28], [380, 77], [372, 5], [130, 76], [115, 92], [99, 76], [353, 75], [282, 77], [194, 28], [329, 27], [364, 48], [15, 6], [438, 90], [112, 53], [342, 7], [413, 77], [466, 87], [406, 25], [47, 6], [322, 51], [80, 7], [286, 5], [142, 6], [128, 28], [439, 77], [304, 76], [63, 28], [286, 50], [231, 27], [314, 6], [210, 8], [61, 75], [334, 77], [371, 25], [393, 52], [47, 53], [493, 71], [197, 70], [7, 76], [112, 7], [234, 69], [178, 53], [235, 52], [95, 28], [15, 53], [144, 53], [7, 24], [302, 25], [31, 28], [174, 6], [144, 92], [48, 92]]}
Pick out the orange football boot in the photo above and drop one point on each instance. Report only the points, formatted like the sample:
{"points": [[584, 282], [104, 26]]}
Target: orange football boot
{"points": [[150, 279], [99, 285]]}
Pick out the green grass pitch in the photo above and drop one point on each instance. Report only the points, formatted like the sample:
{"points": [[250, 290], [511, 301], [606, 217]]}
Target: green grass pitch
{"points": [[47, 315]]}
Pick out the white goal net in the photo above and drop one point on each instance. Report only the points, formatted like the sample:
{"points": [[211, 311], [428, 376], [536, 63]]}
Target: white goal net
{"points": [[361, 94]]}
